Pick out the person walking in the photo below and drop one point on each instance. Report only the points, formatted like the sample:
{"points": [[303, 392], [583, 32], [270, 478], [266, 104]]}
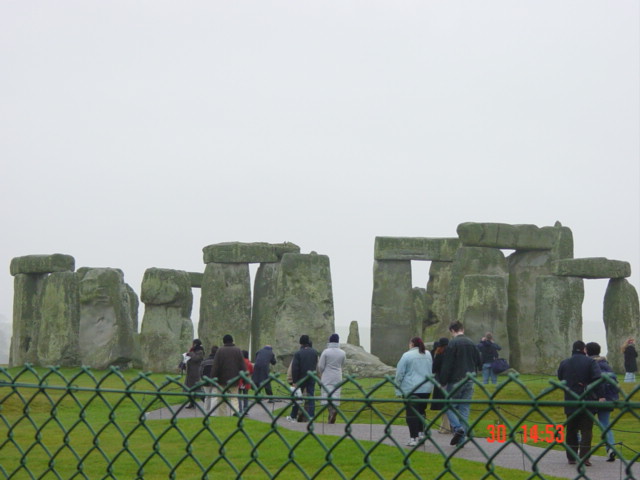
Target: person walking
{"points": [[461, 359], [611, 394], [195, 355], [488, 353], [630, 360], [305, 360], [227, 365], [578, 371], [210, 402], [330, 366], [439, 391], [412, 383], [263, 361], [244, 386]]}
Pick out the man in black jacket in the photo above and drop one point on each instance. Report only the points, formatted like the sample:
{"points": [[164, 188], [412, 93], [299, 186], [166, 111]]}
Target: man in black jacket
{"points": [[304, 360], [460, 358], [578, 371]]}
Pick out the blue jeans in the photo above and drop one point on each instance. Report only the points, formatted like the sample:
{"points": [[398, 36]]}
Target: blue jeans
{"points": [[459, 413], [488, 374], [603, 419]]}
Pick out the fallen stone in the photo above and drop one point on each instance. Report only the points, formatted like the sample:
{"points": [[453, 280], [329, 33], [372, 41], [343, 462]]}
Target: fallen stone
{"points": [[597, 267], [38, 264], [415, 248], [363, 364], [238, 252]]}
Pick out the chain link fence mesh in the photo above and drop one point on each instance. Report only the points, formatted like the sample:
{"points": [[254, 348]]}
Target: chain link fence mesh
{"points": [[82, 424]]}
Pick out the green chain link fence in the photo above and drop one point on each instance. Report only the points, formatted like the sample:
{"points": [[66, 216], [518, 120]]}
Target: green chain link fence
{"points": [[82, 424]]}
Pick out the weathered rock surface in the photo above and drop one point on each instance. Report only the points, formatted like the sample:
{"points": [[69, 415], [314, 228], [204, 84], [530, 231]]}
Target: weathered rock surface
{"points": [[483, 308], [167, 330], [239, 252], [354, 334], [592, 268], [415, 248], [524, 269], [27, 291], [265, 305], [473, 261], [304, 301], [393, 320], [59, 325], [363, 364], [196, 279], [621, 319], [38, 264], [502, 235], [225, 304], [437, 301], [108, 325], [557, 323]]}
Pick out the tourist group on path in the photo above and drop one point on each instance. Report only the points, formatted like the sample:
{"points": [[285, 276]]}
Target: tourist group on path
{"points": [[453, 364]]}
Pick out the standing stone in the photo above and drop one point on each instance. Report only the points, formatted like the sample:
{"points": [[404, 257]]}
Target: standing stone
{"points": [[557, 323], [59, 325], [392, 310], [354, 334], [108, 326], [167, 330], [437, 301], [225, 305], [483, 308], [524, 269], [305, 303], [421, 312], [473, 261], [265, 304], [27, 291], [621, 319]]}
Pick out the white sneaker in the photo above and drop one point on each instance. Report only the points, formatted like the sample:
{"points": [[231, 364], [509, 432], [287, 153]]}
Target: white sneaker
{"points": [[421, 435], [412, 442], [289, 419]]}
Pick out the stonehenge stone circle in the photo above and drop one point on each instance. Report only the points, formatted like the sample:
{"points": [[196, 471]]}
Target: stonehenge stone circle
{"points": [[531, 300]]}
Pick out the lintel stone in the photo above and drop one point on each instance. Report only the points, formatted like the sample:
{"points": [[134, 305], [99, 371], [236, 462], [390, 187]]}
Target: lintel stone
{"points": [[239, 252], [503, 235], [416, 248], [38, 264], [596, 267], [196, 279]]}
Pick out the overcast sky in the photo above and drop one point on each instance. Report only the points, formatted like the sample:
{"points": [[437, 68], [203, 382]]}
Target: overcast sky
{"points": [[132, 134]]}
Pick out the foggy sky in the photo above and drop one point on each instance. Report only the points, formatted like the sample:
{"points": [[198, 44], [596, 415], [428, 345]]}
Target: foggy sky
{"points": [[132, 134]]}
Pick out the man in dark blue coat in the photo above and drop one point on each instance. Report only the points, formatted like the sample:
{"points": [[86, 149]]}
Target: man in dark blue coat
{"points": [[578, 371]]}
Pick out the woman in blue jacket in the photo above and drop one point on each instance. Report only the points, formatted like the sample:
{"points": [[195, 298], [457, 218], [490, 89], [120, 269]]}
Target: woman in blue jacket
{"points": [[412, 383]]}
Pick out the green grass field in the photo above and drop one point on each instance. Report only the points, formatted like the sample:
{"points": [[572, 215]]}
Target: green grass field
{"points": [[71, 421]]}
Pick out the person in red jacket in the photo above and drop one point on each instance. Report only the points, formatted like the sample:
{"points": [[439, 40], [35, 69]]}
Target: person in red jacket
{"points": [[244, 386]]}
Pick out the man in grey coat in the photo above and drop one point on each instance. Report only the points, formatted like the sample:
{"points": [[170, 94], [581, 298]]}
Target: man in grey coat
{"points": [[330, 368]]}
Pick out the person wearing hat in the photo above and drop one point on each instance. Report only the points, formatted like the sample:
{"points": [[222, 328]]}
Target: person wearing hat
{"points": [[330, 366], [305, 361], [438, 392], [226, 368]]}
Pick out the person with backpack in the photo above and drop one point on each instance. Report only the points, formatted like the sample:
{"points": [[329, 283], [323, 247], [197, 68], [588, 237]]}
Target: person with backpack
{"points": [[489, 353], [611, 394]]}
